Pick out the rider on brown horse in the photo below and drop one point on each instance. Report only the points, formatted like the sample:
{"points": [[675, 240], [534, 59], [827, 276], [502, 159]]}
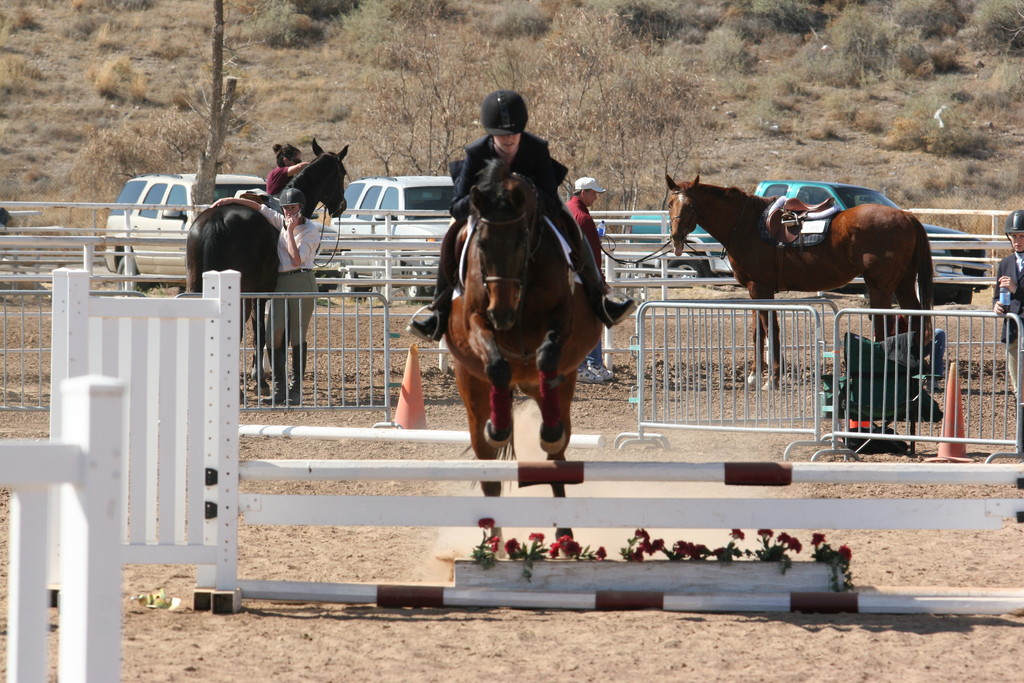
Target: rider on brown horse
{"points": [[503, 115]]}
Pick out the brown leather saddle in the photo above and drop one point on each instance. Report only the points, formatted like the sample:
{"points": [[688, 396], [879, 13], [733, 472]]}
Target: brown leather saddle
{"points": [[785, 223]]}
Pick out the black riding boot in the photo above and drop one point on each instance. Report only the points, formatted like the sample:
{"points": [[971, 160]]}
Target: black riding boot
{"points": [[434, 326], [298, 372], [610, 311], [279, 377]]}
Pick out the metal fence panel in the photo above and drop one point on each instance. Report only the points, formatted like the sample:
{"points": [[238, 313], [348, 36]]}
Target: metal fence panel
{"points": [[697, 369]]}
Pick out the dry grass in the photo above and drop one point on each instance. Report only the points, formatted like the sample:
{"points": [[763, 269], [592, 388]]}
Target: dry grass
{"points": [[715, 89]]}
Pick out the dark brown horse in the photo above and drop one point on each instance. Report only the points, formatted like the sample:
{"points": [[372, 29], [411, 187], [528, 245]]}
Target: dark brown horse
{"points": [[520, 321], [235, 237], [887, 246]]}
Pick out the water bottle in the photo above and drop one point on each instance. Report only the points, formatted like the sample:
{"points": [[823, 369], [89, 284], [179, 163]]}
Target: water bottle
{"points": [[600, 229], [1004, 297]]}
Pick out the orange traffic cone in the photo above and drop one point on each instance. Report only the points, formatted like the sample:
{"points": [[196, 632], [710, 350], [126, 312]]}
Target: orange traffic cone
{"points": [[952, 421], [409, 412]]}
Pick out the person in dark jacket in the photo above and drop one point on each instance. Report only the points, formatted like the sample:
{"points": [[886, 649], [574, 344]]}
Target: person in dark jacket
{"points": [[503, 115], [1010, 276]]}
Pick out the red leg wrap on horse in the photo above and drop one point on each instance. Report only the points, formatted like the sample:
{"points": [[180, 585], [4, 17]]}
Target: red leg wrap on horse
{"points": [[550, 413], [501, 408]]}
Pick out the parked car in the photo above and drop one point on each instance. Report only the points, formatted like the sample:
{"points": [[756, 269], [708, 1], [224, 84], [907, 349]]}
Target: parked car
{"points": [[371, 202], [171, 190], [711, 266], [948, 261]]}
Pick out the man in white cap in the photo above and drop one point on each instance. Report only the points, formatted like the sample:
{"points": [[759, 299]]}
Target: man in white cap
{"points": [[585, 192]]}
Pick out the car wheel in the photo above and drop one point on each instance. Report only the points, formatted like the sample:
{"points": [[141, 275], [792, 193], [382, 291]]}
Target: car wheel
{"points": [[353, 288], [420, 292], [125, 285]]}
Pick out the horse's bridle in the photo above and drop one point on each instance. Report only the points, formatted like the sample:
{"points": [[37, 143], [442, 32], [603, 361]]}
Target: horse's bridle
{"points": [[499, 278]]}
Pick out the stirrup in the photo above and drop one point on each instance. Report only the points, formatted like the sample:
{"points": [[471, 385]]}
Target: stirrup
{"points": [[612, 317], [426, 329]]}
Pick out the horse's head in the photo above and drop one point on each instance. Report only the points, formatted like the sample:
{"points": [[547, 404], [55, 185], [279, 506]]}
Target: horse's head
{"points": [[504, 209], [323, 181], [682, 211]]}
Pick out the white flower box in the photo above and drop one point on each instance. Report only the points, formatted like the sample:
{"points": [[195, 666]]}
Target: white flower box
{"points": [[653, 575]]}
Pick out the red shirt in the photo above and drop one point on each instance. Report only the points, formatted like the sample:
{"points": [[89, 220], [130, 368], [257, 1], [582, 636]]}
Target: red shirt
{"points": [[582, 215]]}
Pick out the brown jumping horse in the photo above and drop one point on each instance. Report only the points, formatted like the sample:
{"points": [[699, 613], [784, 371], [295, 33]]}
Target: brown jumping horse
{"points": [[519, 322], [887, 246]]}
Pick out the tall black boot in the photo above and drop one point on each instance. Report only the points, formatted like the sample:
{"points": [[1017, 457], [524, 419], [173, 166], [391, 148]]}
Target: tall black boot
{"points": [[433, 327], [298, 372], [610, 311], [279, 377]]}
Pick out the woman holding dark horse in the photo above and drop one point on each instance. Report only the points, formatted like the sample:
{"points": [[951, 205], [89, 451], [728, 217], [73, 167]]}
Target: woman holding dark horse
{"points": [[503, 115], [289, 164], [296, 249]]}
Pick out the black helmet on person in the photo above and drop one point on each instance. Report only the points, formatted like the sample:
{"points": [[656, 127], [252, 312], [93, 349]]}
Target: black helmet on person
{"points": [[1014, 222], [503, 112], [291, 196]]}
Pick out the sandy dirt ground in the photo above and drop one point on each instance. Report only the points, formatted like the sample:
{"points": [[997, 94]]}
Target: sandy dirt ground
{"points": [[286, 642]]}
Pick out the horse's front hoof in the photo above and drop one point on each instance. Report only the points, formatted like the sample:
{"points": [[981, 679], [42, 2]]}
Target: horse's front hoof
{"points": [[552, 439], [497, 438]]}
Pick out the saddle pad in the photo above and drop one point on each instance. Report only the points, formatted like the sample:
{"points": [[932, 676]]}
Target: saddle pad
{"points": [[471, 226], [813, 232]]}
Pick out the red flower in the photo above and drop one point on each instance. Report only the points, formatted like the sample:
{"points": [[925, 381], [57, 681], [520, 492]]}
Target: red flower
{"points": [[817, 539], [738, 535], [657, 545], [486, 523], [845, 552], [795, 545], [539, 538], [642, 533], [767, 533], [494, 542], [511, 546], [601, 553], [553, 552]]}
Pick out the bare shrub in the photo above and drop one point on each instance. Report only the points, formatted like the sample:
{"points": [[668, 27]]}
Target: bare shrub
{"points": [[513, 20], [913, 59], [109, 36], [657, 20], [276, 24], [725, 52], [998, 24], [790, 16], [324, 9], [918, 128], [945, 57], [166, 143], [116, 79], [17, 75], [860, 46], [929, 18]]}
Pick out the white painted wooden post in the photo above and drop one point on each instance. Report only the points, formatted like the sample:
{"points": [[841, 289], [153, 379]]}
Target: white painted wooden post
{"points": [[27, 598], [221, 440], [90, 526]]}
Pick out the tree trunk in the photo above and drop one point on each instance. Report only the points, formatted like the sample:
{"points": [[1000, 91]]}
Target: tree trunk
{"points": [[222, 96]]}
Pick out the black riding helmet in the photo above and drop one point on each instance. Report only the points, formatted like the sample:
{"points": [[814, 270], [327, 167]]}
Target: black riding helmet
{"points": [[290, 196], [503, 112], [1014, 222]]}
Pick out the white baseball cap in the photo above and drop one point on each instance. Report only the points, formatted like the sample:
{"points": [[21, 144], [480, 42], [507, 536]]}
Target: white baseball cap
{"points": [[588, 184]]}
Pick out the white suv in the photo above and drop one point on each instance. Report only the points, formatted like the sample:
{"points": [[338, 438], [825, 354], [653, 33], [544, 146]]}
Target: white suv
{"points": [[175, 192], [374, 210]]}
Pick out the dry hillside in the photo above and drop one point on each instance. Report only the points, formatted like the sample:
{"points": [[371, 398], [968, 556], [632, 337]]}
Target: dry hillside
{"points": [[94, 91]]}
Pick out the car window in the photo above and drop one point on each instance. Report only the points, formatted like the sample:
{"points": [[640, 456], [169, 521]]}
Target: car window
{"points": [[129, 195], [390, 200], [432, 198], [177, 195], [352, 193], [154, 196], [776, 190], [812, 195], [225, 190], [369, 202], [855, 196]]}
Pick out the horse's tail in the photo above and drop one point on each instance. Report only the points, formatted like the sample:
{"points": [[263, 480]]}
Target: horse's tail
{"points": [[923, 261], [206, 240]]}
